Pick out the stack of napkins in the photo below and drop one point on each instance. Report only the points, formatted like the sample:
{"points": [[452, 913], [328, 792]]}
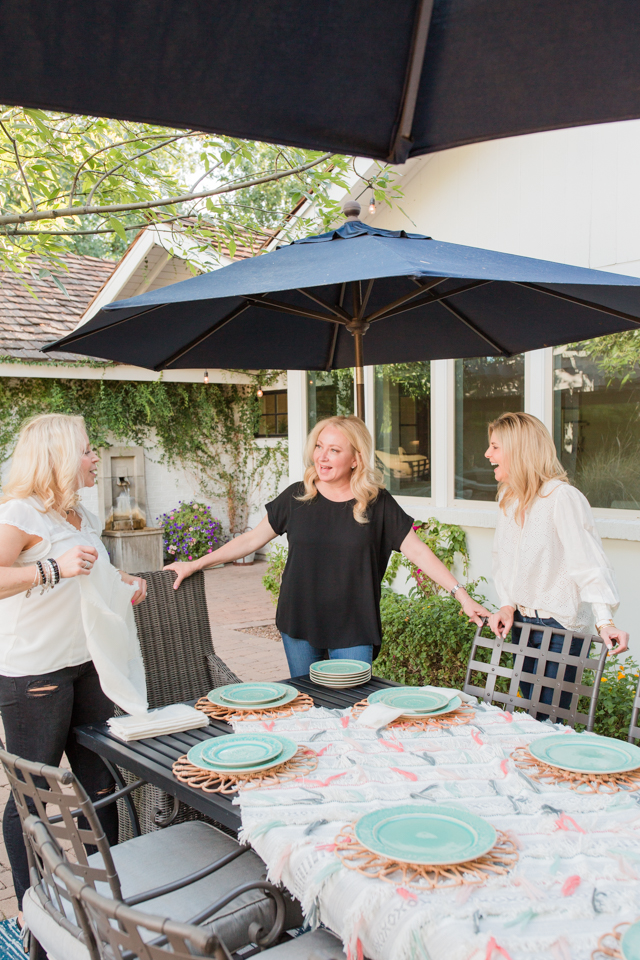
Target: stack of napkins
{"points": [[155, 723]]}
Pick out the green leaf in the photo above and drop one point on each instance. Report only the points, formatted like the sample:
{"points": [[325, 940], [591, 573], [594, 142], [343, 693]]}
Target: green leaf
{"points": [[117, 227], [58, 282]]}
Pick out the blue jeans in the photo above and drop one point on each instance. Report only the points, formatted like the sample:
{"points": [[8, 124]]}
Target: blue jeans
{"points": [[300, 654], [551, 669]]}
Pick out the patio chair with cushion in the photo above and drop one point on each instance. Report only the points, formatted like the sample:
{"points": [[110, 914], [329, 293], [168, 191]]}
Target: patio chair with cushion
{"points": [[634, 726], [524, 672], [180, 871], [180, 665], [110, 929]]}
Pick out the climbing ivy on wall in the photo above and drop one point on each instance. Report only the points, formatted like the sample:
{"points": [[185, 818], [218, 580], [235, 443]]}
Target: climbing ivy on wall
{"points": [[208, 429]]}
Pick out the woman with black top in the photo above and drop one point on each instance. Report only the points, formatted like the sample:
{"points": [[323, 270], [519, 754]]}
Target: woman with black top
{"points": [[342, 526]]}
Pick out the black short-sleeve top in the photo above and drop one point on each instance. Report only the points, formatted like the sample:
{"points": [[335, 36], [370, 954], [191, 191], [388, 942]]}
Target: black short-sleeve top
{"points": [[330, 592]]}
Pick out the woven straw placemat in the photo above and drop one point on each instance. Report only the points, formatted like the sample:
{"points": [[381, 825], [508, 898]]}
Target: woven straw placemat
{"points": [[302, 702], [609, 943], [454, 719], [498, 861], [302, 762], [583, 782]]}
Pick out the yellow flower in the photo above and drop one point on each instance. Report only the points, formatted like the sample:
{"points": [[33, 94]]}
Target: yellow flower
{"points": [[620, 676], [604, 680]]}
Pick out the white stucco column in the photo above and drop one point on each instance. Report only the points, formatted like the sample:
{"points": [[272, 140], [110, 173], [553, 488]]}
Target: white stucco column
{"points": [[538, 385], [442, 431], [297, 414]]}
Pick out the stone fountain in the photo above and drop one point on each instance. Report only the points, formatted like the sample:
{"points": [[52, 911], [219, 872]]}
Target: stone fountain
{"points": [[131, 544]]}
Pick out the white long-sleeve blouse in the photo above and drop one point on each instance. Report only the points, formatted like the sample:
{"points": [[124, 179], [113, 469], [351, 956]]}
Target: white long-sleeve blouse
{"points": [[554, 563]]}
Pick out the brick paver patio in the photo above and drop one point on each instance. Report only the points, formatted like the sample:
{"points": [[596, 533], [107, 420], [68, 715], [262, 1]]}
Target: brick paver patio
{"points": [[237, 601]]}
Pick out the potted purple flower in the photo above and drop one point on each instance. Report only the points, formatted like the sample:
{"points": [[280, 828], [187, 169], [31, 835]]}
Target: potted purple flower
{"points": [[190, 531]]}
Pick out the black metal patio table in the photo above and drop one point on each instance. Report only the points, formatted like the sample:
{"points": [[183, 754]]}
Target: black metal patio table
{"points": [[152, 759]]}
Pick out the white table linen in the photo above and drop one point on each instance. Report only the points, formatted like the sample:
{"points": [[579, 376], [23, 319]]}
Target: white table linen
{"points": [[579, 854]]}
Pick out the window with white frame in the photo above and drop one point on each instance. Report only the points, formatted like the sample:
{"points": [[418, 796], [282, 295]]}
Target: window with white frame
{"points": [[485, 388], [403, 427], [329, 394], [597, 425]]}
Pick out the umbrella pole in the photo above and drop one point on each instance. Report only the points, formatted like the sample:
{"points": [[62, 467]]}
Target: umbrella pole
{"points": [[359, 375]]}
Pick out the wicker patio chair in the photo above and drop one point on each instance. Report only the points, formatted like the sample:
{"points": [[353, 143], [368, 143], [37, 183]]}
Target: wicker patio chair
{"points": [[573, 701], [185, 869], [634, 726], [110, 929], [180, 664]]}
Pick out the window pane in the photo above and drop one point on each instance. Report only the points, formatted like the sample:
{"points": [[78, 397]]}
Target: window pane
{"points": [[329, 394], [597, 428], [485, 388], [272, 423], [403, 427]]}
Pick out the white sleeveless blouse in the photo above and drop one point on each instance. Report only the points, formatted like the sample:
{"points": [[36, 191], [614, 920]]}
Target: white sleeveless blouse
{"points": [[80, 619]]}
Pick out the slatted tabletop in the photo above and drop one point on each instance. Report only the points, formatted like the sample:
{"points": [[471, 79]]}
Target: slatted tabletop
{"points": [[152, 759]]}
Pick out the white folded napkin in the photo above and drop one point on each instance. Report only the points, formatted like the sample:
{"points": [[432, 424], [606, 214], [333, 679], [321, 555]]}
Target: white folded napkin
{"points": [[378, 715], [465, 697], [172, 719]]}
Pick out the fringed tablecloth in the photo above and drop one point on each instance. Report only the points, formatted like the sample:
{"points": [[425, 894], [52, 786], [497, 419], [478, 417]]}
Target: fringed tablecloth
{"points": [[579, 855]]}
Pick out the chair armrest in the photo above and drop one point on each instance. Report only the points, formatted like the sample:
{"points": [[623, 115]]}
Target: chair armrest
{"points": [[185, 881], [99, 804]]}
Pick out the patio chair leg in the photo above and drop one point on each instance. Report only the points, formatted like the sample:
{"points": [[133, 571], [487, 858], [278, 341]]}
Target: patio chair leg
{"points": [[120, 784]]}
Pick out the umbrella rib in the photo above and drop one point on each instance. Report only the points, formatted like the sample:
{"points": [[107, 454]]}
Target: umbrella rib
{"points": [[423, 287], [579, 302], [365, 299], [469, 323], [432, 298], [74, 337], [337, 310], [288, 308], [332, 347], [201, 337]]}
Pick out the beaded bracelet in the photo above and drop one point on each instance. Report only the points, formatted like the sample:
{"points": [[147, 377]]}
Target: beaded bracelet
{"points": [[36, 581], [56, 571]]}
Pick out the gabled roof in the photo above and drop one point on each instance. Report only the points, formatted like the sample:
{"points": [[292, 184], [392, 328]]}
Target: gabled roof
{"points": [[28, 322]]}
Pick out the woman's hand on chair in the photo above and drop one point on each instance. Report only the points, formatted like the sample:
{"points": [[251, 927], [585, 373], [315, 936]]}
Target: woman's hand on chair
{"points": [[184, 569], [475, 611], [612, 633], [502, 621], [77, 562], [141, 587]]}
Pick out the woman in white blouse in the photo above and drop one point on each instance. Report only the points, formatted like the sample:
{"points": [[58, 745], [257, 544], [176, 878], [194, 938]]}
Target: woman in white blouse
{"points": [[62, 607], [549, 567]]}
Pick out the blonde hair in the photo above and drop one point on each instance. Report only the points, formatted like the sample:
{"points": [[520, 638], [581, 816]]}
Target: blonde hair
{"points": [[531, 459], [46, 461], [366, 481]]}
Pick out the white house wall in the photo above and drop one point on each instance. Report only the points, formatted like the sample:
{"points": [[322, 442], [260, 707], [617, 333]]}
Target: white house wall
{"points": [[566, 195]]}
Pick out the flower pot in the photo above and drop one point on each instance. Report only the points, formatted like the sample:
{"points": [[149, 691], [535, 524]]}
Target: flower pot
{"points": [[242, 561]]}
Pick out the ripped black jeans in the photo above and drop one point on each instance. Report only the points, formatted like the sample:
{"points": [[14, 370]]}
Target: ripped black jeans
{"points": [[39, 714]]}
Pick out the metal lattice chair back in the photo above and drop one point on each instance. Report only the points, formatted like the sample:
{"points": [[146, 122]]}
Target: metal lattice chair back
{"points": [[175, 638], [36, 787], [634, 726], [113, 931], [572, 700]]}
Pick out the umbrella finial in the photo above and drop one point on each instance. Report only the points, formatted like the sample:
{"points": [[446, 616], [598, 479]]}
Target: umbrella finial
{"points": [[351, 210]]}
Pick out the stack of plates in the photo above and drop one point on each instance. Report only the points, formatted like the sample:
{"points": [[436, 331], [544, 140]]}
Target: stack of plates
{"points": [[253, 696], [340, 673], [242, 753], [416, 702]]}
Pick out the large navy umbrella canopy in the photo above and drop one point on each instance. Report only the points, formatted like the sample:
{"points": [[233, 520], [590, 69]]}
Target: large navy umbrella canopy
{"points": [[379, 78], [423, 299]]}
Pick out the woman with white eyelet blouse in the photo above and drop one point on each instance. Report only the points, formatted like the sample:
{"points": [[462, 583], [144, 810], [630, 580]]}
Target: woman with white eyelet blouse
{"points": [[68, 641], [549, 567]]}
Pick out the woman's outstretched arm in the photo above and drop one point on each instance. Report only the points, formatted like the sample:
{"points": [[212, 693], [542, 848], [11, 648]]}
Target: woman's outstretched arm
{"points": [[425, 559], [233, 550]]}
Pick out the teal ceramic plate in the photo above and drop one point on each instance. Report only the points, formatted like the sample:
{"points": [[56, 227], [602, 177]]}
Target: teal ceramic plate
{"points": [[413, 700], [339, 667], [195, 756], [215, 697], [630, 943], [425, 835], [448, 708], [340, 684], [586, 753], [242, 750], [247, 694]]}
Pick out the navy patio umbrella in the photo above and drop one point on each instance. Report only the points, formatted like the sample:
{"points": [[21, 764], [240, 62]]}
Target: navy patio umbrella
{"points": [[308, 306], [386, 79]]}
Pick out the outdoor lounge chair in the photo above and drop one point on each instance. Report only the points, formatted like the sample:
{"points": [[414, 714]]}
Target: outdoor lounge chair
{"points": [[180, 664], [112, 930], [573, 700], [180, 871]]}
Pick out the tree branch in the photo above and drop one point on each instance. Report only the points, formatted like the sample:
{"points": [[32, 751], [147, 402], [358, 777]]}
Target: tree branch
{"points": [[86, 210], [22, 173], [136, 156]]}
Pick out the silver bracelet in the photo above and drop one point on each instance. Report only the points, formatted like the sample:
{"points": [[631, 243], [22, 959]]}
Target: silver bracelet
{"points": [[36, 581], [458, 586]]}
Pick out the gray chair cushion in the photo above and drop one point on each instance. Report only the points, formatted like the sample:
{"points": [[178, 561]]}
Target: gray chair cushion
{"points": [[56, 941], [318, 945], [159, 858]]}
